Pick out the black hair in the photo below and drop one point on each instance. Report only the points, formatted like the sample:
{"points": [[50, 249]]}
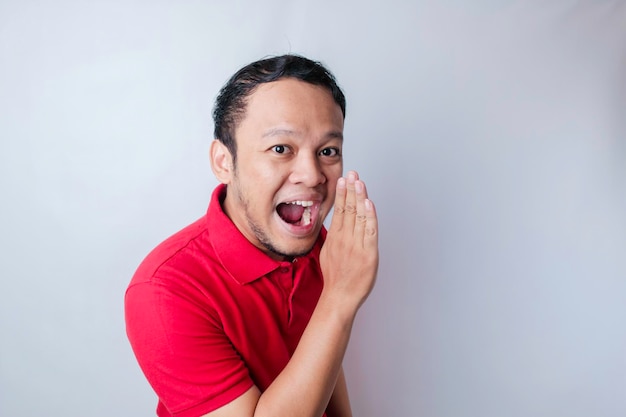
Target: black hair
{"points": [[230, 105]]}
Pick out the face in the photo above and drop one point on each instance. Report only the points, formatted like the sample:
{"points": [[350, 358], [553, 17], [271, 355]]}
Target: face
{"points": [[282, 186]]}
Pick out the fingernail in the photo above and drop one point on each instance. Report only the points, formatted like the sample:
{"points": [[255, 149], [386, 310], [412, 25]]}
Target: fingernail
{"points": [[368, 204], [341, 182], [351, 176], [359, 186]]}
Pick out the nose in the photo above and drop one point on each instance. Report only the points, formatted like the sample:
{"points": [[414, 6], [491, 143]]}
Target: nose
{"points": [[307, 170]]}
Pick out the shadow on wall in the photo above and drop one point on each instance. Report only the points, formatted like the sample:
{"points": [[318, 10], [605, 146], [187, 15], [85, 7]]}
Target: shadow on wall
{"points": [[620, 119]]}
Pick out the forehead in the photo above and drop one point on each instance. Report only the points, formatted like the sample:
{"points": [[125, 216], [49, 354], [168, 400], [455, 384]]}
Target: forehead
{"points": [[292, 104], [290, 88]]}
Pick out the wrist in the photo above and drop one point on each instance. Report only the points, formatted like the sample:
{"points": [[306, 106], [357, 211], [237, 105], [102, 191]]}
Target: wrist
{"points": [[337, 307]]}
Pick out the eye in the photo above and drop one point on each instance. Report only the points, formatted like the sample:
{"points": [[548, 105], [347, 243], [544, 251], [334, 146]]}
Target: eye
{"points": [[330, 152], [279, 149]]}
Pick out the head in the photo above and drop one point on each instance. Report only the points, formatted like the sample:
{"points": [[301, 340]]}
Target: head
{"points": [[279, 139], [230, 105]]}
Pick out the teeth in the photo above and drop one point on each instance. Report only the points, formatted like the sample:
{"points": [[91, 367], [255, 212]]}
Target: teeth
{"points": [[306, 215], [302, 203]]}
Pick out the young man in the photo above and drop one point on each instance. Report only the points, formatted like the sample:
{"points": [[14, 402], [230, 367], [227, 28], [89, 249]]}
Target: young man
{"points": [[248, 311]]}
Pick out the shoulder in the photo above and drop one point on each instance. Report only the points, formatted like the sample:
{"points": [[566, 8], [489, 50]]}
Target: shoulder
{"points": [[180, 249]]}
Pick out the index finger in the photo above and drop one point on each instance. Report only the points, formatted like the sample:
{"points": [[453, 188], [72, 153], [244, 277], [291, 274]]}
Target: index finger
{"points": [[340, 202]]}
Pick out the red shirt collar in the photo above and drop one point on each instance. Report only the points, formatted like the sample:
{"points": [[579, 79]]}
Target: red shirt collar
{"points": [[244, 261]]}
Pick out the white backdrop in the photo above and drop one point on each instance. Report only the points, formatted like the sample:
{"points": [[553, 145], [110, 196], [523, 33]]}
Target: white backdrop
{"points": [[492, 137]]}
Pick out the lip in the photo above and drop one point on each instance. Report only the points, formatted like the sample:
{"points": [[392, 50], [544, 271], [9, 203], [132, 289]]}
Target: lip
{"points": [[315, 198]]}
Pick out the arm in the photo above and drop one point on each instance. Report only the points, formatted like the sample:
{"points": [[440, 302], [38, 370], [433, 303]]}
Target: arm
{"points": [[339, 405], [349, 262]]}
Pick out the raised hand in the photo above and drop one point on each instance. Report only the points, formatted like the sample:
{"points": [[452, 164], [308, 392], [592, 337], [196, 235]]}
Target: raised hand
{"points": [[349, 257]]}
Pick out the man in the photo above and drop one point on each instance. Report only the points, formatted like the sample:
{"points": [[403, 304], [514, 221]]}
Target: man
{"points": [[248, 311]]}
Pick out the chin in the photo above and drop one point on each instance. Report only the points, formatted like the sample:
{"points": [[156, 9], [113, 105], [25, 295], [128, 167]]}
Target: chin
{"points": [[293, 249]]}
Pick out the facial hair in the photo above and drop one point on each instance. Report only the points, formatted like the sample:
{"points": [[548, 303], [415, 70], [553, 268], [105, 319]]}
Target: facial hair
{"points": [[258, 231]]}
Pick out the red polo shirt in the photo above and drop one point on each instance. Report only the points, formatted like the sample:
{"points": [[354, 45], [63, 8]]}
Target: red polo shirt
{"points": [[208, 314]]}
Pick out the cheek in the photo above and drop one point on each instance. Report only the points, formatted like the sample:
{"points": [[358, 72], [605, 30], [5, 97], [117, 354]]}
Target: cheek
{"points": [[333, 169], [332, 175]]}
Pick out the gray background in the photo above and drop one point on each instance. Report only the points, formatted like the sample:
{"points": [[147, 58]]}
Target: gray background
{"points": [[492, 137]]}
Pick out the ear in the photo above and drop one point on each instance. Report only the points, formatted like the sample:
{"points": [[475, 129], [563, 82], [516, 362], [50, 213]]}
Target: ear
{"points": [[221, 162]]}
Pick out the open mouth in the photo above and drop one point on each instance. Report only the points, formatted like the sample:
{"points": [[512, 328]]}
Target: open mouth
{"points": [[297, 213]]}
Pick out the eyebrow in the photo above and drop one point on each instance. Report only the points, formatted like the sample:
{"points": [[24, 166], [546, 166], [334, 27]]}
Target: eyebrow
{"points": [[288, 132], [278, 132]]}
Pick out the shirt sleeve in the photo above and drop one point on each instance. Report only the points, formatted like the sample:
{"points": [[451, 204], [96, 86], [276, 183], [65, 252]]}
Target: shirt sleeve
{"points": [[182, 350]]}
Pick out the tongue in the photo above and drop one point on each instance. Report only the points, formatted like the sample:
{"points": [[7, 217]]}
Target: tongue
{"points": [[291, 213]]}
